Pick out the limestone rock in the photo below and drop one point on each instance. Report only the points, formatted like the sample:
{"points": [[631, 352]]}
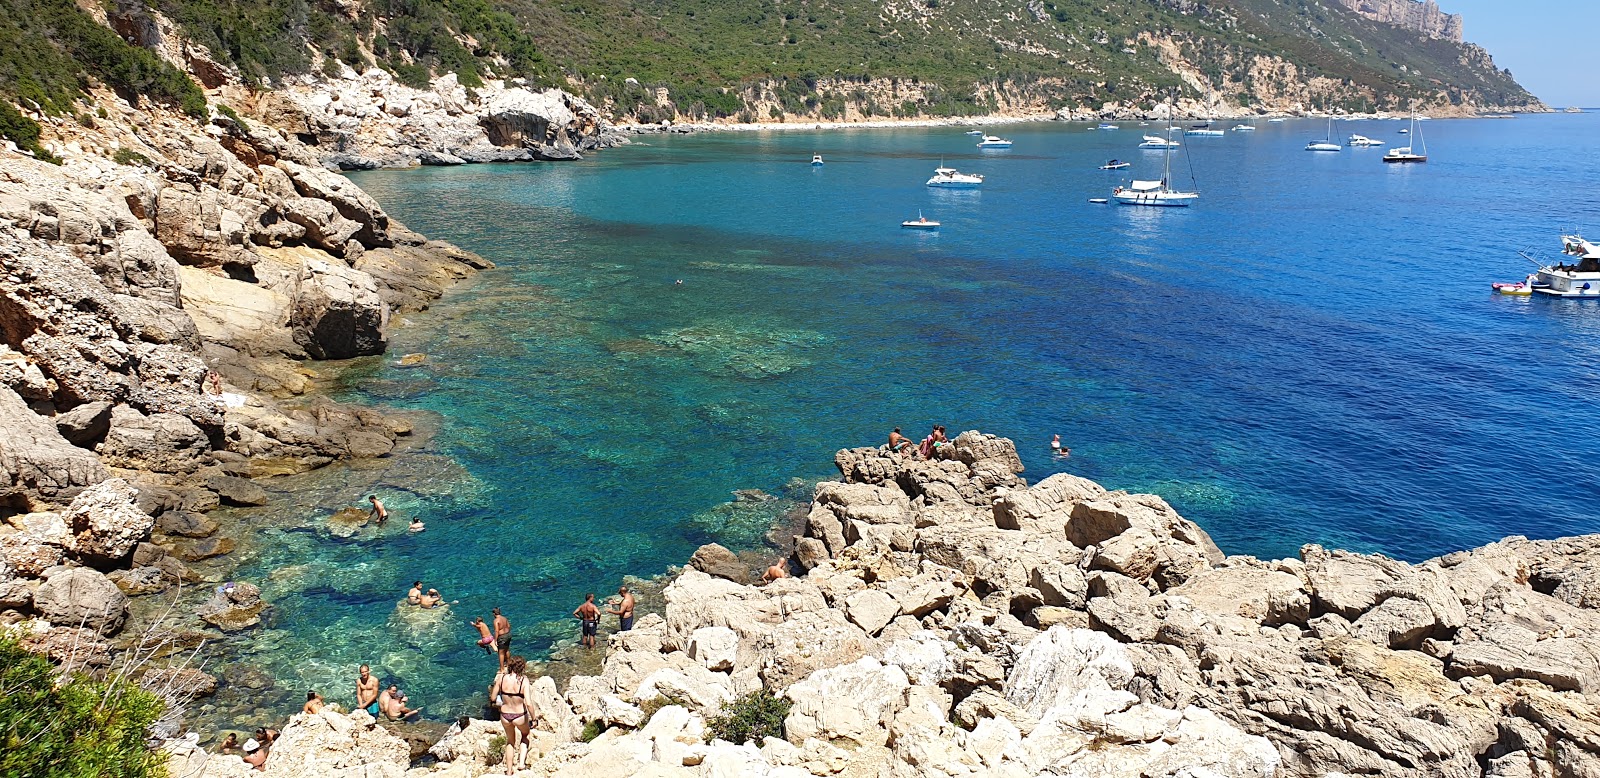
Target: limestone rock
{"points": [[79, 596], [1046, 506], [36, 463], [106, 521], [161, 442], [854, 703], [237, 491], [715, 648], [715, 560], [183, 683], [871, 610], [85, 425], [331, 743], [233, 607], [337, 312]]}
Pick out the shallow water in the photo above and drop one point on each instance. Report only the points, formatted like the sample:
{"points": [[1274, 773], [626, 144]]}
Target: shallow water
{"points": [[1310, 354]]}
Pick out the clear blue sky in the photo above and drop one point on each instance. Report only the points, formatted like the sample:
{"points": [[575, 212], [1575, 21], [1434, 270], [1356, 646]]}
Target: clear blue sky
{"points": [[1548, 44]]}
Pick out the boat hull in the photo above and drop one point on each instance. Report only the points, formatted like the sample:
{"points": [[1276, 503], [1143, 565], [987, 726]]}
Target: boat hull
{"points": [[1157, 199], [918, 226], [1409, 160], [953, 185]]}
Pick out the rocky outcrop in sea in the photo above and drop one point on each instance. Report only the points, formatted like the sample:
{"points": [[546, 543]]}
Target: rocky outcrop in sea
{"points": [[947, 618]]}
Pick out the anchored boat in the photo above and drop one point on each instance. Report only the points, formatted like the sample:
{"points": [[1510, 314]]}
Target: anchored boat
{"points": [[920, 223], [1156, 193], [1575, 277], [950, 178], [994, 142], [1409, 153]]}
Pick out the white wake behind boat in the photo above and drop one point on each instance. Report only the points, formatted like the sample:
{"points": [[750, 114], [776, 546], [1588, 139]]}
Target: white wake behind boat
{"points": [[950, 178], [994, 142], [920, 223], [1405, 154]]}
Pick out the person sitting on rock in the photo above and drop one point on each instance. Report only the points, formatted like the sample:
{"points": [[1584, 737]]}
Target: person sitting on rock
{"points": [[899, 443], [393, 704], [431, 599], [777, 569], [313, 704], [255, 754], [415, 595]]}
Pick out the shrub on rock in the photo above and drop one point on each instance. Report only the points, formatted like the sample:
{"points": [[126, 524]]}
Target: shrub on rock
{"points": [[752, 717], [77, 727]]}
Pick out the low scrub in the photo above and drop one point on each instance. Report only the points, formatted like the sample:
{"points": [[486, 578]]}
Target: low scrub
{"points": [[752, 717]]}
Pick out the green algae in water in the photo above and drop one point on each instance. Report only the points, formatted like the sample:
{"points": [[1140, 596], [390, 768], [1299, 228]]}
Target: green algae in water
{"points": [[743, 349]]}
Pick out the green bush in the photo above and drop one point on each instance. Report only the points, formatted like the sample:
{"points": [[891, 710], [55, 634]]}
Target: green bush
{"points": [[754, 716], [24, 132], [81, 727], [497, 751], [591, 731], [233, 115], [129, 157]]}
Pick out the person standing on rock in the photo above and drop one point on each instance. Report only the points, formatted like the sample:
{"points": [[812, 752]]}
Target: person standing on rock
{"points": [[624, 610], [510, 693], [378, 514], [589, 615], [502, 637], [367, 691]]}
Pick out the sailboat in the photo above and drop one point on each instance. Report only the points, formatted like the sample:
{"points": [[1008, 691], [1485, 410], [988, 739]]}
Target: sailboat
{"points": [[1248, 126], [1156, 193], [1408, 153], [1326, 144]]}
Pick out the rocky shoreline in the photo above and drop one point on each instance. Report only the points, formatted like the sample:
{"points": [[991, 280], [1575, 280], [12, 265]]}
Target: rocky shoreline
{"points": [[946, 618]]}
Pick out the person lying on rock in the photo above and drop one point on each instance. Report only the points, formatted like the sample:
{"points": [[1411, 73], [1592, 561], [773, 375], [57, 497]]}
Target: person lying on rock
{"points": [[393, 704]]}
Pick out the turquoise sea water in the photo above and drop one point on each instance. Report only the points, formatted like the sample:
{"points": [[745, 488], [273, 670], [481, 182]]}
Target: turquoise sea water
{"points": [[1310, 354]]}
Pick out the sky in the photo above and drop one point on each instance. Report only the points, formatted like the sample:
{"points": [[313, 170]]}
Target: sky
{"points": [[1549, 45]]}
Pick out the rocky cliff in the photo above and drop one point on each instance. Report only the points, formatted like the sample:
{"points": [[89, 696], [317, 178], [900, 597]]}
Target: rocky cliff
{"points": [[949, 619], [1423, 16]]}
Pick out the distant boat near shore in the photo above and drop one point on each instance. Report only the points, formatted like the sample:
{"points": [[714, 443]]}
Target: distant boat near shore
{"points": [[994, 142]]}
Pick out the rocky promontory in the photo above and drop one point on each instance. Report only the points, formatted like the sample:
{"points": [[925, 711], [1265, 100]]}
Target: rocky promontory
{"points": [[946, 618]]}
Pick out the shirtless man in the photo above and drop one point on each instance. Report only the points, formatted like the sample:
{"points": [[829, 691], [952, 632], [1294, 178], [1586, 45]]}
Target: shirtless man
{"points": [[502, 637], [775, 571], [255, 754], [898, 442], [378, 513], [624, 610], [431, 599], [590, 616], [394, 704], [367, 691], [313, 704], [485, 637], [415, 595]]}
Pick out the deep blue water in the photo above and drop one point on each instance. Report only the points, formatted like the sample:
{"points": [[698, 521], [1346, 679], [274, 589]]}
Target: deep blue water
{"points": [[1310, 354]]}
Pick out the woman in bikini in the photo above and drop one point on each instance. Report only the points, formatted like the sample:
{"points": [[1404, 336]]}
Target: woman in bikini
{"points": [[515, 716]]}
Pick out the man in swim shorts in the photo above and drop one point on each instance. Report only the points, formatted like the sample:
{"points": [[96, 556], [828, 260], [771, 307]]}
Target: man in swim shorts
{"points": [[898, 442], [485, 637], [367, 691], [502, 637], [624, 610], [590, 616]]}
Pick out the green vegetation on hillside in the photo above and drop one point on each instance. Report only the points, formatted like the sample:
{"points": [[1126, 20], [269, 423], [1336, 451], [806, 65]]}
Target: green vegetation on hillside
{"points": [[80, 728]]}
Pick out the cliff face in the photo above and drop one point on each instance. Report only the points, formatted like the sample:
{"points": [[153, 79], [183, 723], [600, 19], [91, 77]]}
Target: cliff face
{"points": [[1423, 16]]}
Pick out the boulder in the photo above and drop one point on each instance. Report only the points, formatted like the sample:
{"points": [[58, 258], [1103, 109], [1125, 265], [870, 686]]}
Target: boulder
{"points": [[1046, 506], [36, 463], [337, 312], [186, 524], [179, 682], [1062, 664], [871, 610], [160, 442], [715, 648], [233, 606], [140, 580], [106, 522], [713, 559], [237, 491], [86, 425], [81, 597], [331, 743], [853, 703]]}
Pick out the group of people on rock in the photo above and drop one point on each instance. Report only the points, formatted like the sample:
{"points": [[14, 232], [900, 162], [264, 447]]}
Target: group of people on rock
{"points": [[254, 749], [901, 444], [423, 599]]}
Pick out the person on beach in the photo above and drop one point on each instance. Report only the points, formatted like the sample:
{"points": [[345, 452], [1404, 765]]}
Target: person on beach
{"points": [[393, 704], [485, 637], [589, 615], [314, 703], [431, 599], [255, 754], [510, 693], [899, 443], [415, 595], [624, 610], [776, 570], [367, 691], [379, 513], [502, 637]]}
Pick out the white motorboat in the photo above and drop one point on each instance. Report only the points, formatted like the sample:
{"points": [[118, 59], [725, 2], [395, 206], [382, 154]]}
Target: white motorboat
{"points": [[1155, 193], [1357, 141], [950, 178], [1158, 142], [974, 132], [920, 223], [1276, 120], [1116, 164], [993, 142], [1580, 279], [1409, 153], [1249, 126], [1326, 144], [816, 160], [1404, 131], [1107, 126]]}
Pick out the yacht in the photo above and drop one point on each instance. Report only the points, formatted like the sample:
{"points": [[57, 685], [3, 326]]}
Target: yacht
{"points": [[1248, 126], [1409, 153], [1326, 144], [1116, 164], [994, 142], [1156, 193], [816, 160], [1276, 120], [1158, 142], [1203, 131], [974, 132], [1362, 140], [920, 223], [950, 178], [1579, 279]]}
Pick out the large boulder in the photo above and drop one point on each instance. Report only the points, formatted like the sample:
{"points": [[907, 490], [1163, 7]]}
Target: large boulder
{"points": [[331, 743], [713, 559], [79, 596], [853, 703], [337, 312], [36, 463], [106, 522], [160, 442], [233, 606], [86, 424], [1046, 506]]}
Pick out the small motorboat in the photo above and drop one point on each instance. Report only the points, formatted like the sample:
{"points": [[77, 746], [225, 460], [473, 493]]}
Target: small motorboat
{"points": [[1202, 132], [1523, 288], [950, 178], [1107, 126], [1404, 131], [1158, 142], [921, 223], [974, 132], [994, 142], [1362, 140], [1116, 164], [816, 160], [1275, 120], [1099, 200]]}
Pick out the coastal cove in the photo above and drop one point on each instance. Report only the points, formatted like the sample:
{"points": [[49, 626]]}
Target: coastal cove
{"points": [[1308, 355]]}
